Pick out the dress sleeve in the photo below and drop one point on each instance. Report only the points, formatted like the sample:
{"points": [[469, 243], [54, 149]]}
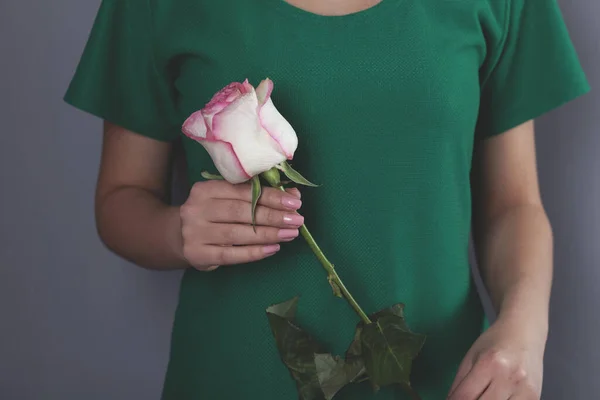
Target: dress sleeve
{"points": [[533, 69], [118, 79]]}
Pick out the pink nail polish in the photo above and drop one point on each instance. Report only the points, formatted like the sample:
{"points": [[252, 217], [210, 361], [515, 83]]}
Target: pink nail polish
{"points": [[293, 219], [291, 202], [271, 249], [287, 233]]}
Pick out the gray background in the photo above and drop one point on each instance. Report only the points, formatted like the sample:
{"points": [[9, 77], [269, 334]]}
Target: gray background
{"points": [[76, 322]]}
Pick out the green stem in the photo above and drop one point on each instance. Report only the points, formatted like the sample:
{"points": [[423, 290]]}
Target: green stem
{"points": [[333, 276]]}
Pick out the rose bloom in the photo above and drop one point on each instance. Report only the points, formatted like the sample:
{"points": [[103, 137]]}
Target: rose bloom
{"points": [[242, 131]]}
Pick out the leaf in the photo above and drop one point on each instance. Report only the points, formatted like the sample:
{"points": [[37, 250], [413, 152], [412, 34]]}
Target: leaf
{"points": [[355, 348], [389, 347], [256, 192], [286, 310], [318, 375], [296, 349], [209, 176], [381, 352], [294, 175], [334, 373]]}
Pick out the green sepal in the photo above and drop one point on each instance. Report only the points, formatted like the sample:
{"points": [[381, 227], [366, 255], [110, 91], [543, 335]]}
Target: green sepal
{"points": [[212, 177], [294, 175], [256, 192], [272, 176]]}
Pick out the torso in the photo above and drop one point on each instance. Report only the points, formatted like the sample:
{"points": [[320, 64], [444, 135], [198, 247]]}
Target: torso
{"points": [[385, 101]]}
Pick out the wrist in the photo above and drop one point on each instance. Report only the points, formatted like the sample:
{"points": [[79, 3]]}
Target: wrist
{"points": [[527, 315], [174, 238]]}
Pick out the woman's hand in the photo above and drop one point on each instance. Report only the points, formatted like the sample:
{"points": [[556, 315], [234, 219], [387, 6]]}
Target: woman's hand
{"points": [[506, 362], [216, 224]]}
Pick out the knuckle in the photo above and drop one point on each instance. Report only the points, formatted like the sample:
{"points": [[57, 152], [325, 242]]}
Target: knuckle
{"points": [[211, 185], [206, 188], [234, 211], [271, 196], [226, 235], [198, 189], [496, 359], [519, 374], [268, 235], [186, 211], [221, 256], [230, 235], [256, 253], [272, 217]]}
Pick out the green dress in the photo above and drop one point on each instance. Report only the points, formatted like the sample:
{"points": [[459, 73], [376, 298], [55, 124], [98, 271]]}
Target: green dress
{"points": [[387, 104]]}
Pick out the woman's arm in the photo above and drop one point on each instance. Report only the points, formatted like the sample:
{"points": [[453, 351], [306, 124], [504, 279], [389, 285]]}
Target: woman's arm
{"points": [[512, 234], [513, 241], [132, 217]]}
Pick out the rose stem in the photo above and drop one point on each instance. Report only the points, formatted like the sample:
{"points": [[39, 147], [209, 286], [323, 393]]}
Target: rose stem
{"points": [[331, 271]]}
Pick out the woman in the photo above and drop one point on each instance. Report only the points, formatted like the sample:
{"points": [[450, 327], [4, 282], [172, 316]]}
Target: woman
{"points": [[413, 115]]}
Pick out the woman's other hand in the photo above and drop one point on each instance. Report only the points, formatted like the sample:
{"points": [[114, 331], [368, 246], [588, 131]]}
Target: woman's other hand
{"points": [[506, 362]]}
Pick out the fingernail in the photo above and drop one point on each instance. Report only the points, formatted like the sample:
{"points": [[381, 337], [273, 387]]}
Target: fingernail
{"points": [[287, 233], [291, 202], [293, 219], [271, 249]]}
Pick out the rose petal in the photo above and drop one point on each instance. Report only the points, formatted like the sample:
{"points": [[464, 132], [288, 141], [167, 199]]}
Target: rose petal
{"points": [[195, 126], [246, 87], [263, 91], [226, 161], [223, 156], [239, 125], [226, 96], [273, 122]]}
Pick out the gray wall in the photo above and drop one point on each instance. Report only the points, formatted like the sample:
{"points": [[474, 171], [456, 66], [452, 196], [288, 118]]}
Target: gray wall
{"points": [[79, 323], [569, 163], [76, 322]]}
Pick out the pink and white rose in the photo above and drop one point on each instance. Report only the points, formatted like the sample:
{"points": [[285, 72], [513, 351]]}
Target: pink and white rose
{"points": [[242, 131]]}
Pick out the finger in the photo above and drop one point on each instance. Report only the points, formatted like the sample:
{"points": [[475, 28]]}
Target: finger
{"points": [[499, 389], [240, 212], [294, 192], [231, 255], [237, 234], [463, 371], [277, 199], [270, 197], [474, 384]]}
